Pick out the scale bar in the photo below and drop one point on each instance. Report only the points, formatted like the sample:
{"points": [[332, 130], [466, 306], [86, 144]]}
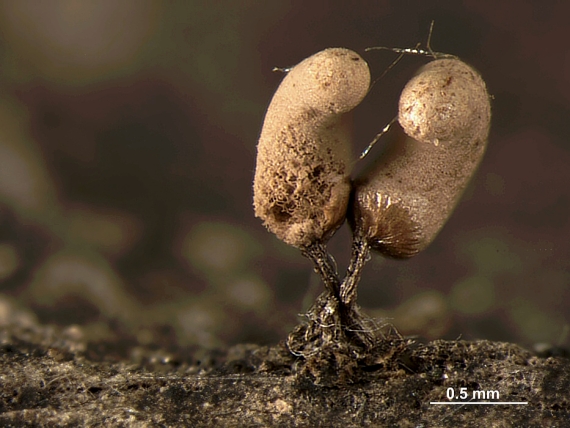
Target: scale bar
{"points": [[493, 403]]}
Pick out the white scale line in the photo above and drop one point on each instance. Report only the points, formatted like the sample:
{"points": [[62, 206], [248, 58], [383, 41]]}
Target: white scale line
{"points": [[495, 403]]}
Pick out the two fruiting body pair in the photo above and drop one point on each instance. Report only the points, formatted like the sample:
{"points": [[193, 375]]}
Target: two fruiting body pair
{"points": [[302, 181]]}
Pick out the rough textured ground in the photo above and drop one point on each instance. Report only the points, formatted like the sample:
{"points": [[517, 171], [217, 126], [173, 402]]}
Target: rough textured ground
{"points": [[54, 377]]}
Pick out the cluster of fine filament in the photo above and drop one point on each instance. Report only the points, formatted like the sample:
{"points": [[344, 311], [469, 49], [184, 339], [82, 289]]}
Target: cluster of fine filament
{"points": [[302, 187]]}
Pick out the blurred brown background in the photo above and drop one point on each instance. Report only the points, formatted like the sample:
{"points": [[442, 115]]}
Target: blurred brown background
{"points": [[127, 148]]}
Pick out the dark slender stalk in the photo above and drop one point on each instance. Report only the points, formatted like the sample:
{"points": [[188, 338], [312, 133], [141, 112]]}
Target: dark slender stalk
{"points": [[337, 337], [360, 255], [324, 266]]}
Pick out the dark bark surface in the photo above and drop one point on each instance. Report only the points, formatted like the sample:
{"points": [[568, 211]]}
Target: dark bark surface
{"points": [[50, 377]]}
